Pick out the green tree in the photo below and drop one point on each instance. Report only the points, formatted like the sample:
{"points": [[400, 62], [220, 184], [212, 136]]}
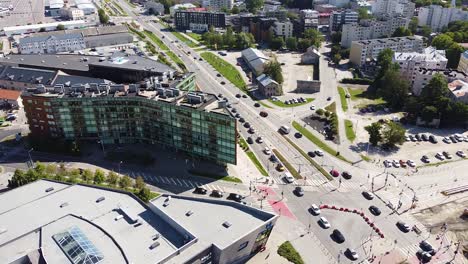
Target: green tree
{"points": [[244, 40], [144, 194], [374, 133], [413, 25], [436, 88], [60, 27], [393, 88], [103, 17], [393, 133], [235, 10], [125, 182], [87, 175], [336, 58], [229, 38], [276, 43], [273, 69], [18, 179], [73, 176], [442, 41], [336, 37], [314, 36], [364, 13], [303, 44], [139, 183], [384, 60], [291, 43], [99, 176], [401, 32], [112, 178], [50, 169], [429, 113], [319, 112], [453, 54], [426, 31], [253, 5]]}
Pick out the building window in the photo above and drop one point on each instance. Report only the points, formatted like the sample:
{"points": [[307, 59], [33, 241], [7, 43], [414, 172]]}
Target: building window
{"points": [[243, 245]]}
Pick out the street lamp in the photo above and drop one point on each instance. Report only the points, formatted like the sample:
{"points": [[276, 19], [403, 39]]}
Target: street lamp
{"points": [[30, 159], [119, 165], [102, 145]]}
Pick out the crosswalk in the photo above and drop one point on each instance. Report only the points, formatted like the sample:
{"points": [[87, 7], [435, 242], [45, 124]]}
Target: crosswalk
{"points": [[319, 181]]}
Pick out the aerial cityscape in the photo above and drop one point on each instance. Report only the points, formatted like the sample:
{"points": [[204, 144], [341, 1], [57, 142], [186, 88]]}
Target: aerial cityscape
{"points": [[233, 131]]}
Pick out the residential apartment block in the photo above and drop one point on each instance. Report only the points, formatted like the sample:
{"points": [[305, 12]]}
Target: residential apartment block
{"points": [[191, 122], [463, 63], [411, 62], [199, 21], [364, 50], [371, 29], [283, 29], [422, 77], [384, 8], [339, 18], [438, 17], [219, 5], [52, 44]]}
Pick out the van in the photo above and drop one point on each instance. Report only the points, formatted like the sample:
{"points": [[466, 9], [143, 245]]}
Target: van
{"points": [[285, 129]]}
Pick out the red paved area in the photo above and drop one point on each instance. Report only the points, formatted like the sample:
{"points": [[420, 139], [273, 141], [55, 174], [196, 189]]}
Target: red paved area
{"points": [[279, 206]]}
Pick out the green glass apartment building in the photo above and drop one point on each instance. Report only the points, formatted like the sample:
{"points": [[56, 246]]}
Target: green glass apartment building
{"points": [[202, 128]]}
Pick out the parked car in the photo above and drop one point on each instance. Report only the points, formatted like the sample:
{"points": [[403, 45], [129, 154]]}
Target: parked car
{"points": [[374, 210], [244, 96], [411, 163], [312, 107], [280, 167], [426, 159], [223, 82], [396, 164], [403, 163], [334, 173], [447, 155], [238, 96], [218, 74], [461, 154], [329, 98], [453, 139], [424, 137], [319, 153], [263, 114], [433, 139], [273, 158], [418, 137], [250, 140], [217, 193], [200, 190], [403, 226], [387, 163], [242, 120], [259, 139], [257, 105], [440, 156], [235, 197], [299, 191], [346, 175], [368, 195], [287, 177], [338, 236], [424, 245], [267, 151], [297, 135], [314, 209], [423, 256], [311, 154], [446, 140], [324, 222], [351, 254]]}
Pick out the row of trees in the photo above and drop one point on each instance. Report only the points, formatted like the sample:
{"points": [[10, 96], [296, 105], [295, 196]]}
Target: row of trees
{"points": [[337, 53], [453, 50], [311, 37], [230, 39], [458, 31], [273, 69], [60, 173], [388, 134]]}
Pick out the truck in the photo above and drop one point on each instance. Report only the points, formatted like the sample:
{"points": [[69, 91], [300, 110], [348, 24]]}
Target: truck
{"points": [[285, 129]]}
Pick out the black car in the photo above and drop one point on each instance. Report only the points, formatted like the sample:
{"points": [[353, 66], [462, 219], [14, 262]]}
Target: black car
{"points": [[433, 139], [423, 256], [329, 98], [242, 120], [453, 139], [244, 96], [346, 175], [250, 140], [424, 245], [418, 137], [374, 210], [237, 115], [298, 135], [200, 190], [219, 75], [223, 82], [368, 195], [424, 137], [235, 197], [216, 193], [273, 158], [311, 154], [246, 124], [257, 105], [234, 110], [338, 236], [238, 96], [403, 226]]}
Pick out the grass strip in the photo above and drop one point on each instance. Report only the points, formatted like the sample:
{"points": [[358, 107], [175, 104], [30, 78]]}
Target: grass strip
{"points": [[226, 69], [195, 36], [257, 163], [290, 168], [287, 251], [184, 39], [163, 46], [365, 158], [122, 12], [282, 104], [313, 162], [265, 105], [350, 134], [331, 107], [243, 144], [215, 176], [130, 3], [344, 102], [311, 137]]}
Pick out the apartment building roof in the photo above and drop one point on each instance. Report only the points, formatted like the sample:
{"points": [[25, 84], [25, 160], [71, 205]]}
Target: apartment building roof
{"points": [[458, 88], [452, 74], [28, 75], [428, 54], [42, 38], [89, 31], [383, 41]]}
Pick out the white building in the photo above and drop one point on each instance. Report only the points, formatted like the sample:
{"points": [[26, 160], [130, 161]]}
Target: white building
{"points": [[52, 44], [393, 7], [339, 18], [459, 91], [283, 29], [423, 76], [438, 17], [463, 64], [74, 13], [174, 8], [371, 29], [271, 5], [255, 59], [17, 30], [339, 3], [218, 5], [411, 62], [364, 50]]}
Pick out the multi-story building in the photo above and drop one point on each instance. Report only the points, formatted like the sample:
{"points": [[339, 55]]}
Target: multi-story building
{"points": [[325, 8], [339, 18], [339, 3], [309, 19], [195, 123], [463, 64], [422, 77], [154, 7], [364, 50], [52, 44], [268, 87], [19, 78], [438, 17], [459, 91], [182, 7], [371, 29], [384, 8], [219, 5], [271, 5], [283, 29], [74, 13], [410, 62], [199, 21]]}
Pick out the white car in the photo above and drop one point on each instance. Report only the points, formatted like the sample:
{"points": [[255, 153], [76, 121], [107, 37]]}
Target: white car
{"points": [[260, 139], [353, 255], [314, 209], [288, 177], [411, 163], [324, 222], [440, 156], [387, 163], [319, 153], [446, 140], [396, 163], [267, 151], [460, 153]]}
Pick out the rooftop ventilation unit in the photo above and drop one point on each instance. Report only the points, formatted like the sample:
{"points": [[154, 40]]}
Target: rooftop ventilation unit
{"points": [[100, 199], [189, 213], [161, 91], [154, 245], [117, 88], [175, 91], [156, 237], [227, 224], [195, 98], [49, 189]]}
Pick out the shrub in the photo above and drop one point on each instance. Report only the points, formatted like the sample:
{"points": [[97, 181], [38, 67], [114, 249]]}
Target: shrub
{"points": [[286, 250], [364, 81]]}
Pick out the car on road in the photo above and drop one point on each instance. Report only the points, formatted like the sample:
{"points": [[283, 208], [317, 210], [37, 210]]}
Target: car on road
{"points": [[312, 107], [237, 115], [234, 110], [223, 82], [423, 256], [334, 173], [257, 105], [244, 96], [368, 195], [217, 193], [447, 155], [299, 191], [287, 177], [374, 210], [297, 135], [338, 236], [346, 175], [461, 154], [403, 226], [396, 164], [351, 254], [453, 139], [242, 120], [280, 167], [328, 98], [324, 222], [314, 209], [267, 151], [200, 190], [411, 163], [235, 197], [263, 114], [218, 74], [250, 140], [311, 154], [424, 245], [319, 153], [251, 130], [387, 163], [259, 139], [238, 96], [446, 140], [426, 159], [273, 158], [440, 156]]}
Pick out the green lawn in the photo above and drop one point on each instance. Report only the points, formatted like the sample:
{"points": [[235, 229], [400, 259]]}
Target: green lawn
{"points": [[265, 104], [215, 176], [331, 107], [257, 163], [312, 161], [349, 130], [365, 158], [287, 251], [166, 50], [243, 144], [227, 70], [184, 39], [290, 168], [195, 36], [317, 141], [282, 104], [367, 98], [344, 102]]}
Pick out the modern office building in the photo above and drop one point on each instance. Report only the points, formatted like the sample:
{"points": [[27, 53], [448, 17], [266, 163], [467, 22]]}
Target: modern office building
{"points": [[50, 44], [371, 29], [155, 113], [52, 222], [438, 17], [463, 63], [410, 62], [199, 21], [384, 8], [366, 50], [339, 18]]}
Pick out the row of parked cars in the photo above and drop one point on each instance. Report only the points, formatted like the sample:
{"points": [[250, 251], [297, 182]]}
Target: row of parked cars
{"points": [[299, 100], [421, 137], [219, 194], [455, 139], [399, 163]]}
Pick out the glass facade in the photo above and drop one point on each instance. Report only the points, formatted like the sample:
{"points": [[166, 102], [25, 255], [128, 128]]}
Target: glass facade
{"points": [[77, 247], [207, 135]]}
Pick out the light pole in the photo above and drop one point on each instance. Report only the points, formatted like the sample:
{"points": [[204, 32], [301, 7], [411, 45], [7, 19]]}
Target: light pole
{"points": [[119, 165], [102, 145], [30, 159]]}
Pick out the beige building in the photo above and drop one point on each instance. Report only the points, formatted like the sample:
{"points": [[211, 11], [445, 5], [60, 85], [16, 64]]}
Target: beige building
{"points": [[459, 91], [411, 62], [364, 50], [267, 86], [463, 64], [283, 29]]}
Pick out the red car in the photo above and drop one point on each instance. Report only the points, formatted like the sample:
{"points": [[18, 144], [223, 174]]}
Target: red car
{"points": [[334, 173]]}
